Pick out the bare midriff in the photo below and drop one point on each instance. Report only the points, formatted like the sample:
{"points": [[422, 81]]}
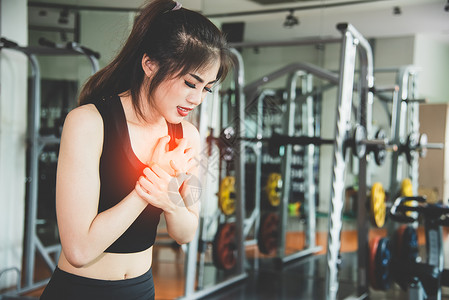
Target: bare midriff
{"points": [[112, 266]]}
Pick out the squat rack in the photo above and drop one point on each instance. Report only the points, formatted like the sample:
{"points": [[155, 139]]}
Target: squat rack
{"points": [[304, 72], [36, 144], [352, 41]]}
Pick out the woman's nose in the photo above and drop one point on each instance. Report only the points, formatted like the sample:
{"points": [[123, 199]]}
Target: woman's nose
{"points": [[196, 98]]}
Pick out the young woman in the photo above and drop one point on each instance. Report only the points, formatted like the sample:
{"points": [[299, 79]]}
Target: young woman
{"points": [[121, 148]]}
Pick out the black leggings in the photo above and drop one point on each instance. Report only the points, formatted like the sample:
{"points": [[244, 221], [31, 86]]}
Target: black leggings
{"points": [[67, 286]]}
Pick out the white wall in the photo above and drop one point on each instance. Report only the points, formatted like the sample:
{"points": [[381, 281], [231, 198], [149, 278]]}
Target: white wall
{"points": [[432, 56], [103, 32], [13, 118]]}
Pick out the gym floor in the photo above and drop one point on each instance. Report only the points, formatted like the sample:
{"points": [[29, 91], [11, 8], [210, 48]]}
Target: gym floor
{"points": [[302, 279]]}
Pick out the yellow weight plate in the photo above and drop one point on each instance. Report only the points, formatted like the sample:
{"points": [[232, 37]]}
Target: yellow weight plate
{"points": [[407, 191], [226, 195], [377, 205], [406, 188], [273, 189]]}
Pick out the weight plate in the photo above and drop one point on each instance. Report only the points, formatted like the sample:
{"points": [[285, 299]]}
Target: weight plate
{"points": [[273, 189], [405, 255], [411, 145], [379, 263], [226, 143], [423, 145], [378, 209], [407, 191], [267, 239], [380, 152], [224, 248], [406, 188], [359, 148], [226, 195]]}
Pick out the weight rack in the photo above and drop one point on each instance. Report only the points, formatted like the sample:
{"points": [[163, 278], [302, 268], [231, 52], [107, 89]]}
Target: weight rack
{"points": [[304, 72], [239, 271]]}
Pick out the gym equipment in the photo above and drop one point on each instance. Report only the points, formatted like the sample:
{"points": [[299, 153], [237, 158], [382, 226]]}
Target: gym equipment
{"points": [[406, 188], [405, 254], [268, 236], [423, 280], [358, 142], [352, 41], [36, 144], [226, 195], [379, 152], [273, 189], [417, 143], [224, 247], [379, 263], [378, 208], [193, 288]]}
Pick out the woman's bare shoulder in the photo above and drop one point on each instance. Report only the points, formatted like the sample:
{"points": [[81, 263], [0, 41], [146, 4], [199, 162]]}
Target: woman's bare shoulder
{"points": [[84, 118], [84, 124]]}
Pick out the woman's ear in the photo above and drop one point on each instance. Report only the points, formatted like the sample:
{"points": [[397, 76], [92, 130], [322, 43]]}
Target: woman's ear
{"points": [[148, 66]]}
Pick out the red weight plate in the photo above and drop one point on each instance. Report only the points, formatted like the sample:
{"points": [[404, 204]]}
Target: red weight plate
{"points": [[224, 247], [268, 234], [373, 244]]}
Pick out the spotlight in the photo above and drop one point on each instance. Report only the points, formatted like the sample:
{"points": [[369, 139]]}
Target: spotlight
{"points": [[63, 17], [291, 20], [446, 7], [397, 11]]}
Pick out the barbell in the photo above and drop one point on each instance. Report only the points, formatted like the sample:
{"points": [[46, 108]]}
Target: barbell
{"points": [[357, 141]]}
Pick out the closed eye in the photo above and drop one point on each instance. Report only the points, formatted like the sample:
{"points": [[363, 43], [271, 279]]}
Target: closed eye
{"points": [[193, 86], [189, 84]]}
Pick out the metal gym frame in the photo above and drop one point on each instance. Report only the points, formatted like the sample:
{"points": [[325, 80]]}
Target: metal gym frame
{"points": [[305, 72], [36, 144], [405, 115], [352, 41], [239, 272]]}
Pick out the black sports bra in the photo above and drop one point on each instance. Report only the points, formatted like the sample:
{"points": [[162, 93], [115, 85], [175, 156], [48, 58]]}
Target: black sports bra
{"points": [[119, 170]]}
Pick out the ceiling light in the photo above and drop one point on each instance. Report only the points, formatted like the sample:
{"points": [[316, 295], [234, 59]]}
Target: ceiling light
{"points": [[63, 17], [397, 11], [291, 20]]}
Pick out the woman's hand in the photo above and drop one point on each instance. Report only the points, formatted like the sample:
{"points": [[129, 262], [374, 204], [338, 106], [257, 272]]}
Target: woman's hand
{"points": [[181, 159], [158, 188]]}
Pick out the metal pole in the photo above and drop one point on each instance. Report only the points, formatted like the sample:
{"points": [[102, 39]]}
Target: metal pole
{"points": [[240, 162], [366, 109], [309, 163], [192, 249], [344, 102], [286, 171], [33, 138]]}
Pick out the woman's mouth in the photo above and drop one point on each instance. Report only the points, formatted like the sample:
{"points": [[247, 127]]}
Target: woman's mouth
{"points": [[183, 111]]}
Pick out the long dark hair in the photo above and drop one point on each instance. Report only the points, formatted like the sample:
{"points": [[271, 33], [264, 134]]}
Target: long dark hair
{"points": [[178, 40]]}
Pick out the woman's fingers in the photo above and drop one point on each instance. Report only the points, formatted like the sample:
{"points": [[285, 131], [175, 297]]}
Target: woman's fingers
{"points": [[158, 171], [161, 146], [146, 184]]}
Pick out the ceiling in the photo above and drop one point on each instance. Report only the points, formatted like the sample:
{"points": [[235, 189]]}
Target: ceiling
{"points": [[373, 18]]}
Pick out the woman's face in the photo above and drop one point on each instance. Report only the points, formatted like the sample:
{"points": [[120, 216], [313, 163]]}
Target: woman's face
{"points": [[175, 98]]}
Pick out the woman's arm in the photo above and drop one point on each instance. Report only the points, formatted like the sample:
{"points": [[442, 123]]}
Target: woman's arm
{"points": [[84, 233], [182, 222], [160, 187]]}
